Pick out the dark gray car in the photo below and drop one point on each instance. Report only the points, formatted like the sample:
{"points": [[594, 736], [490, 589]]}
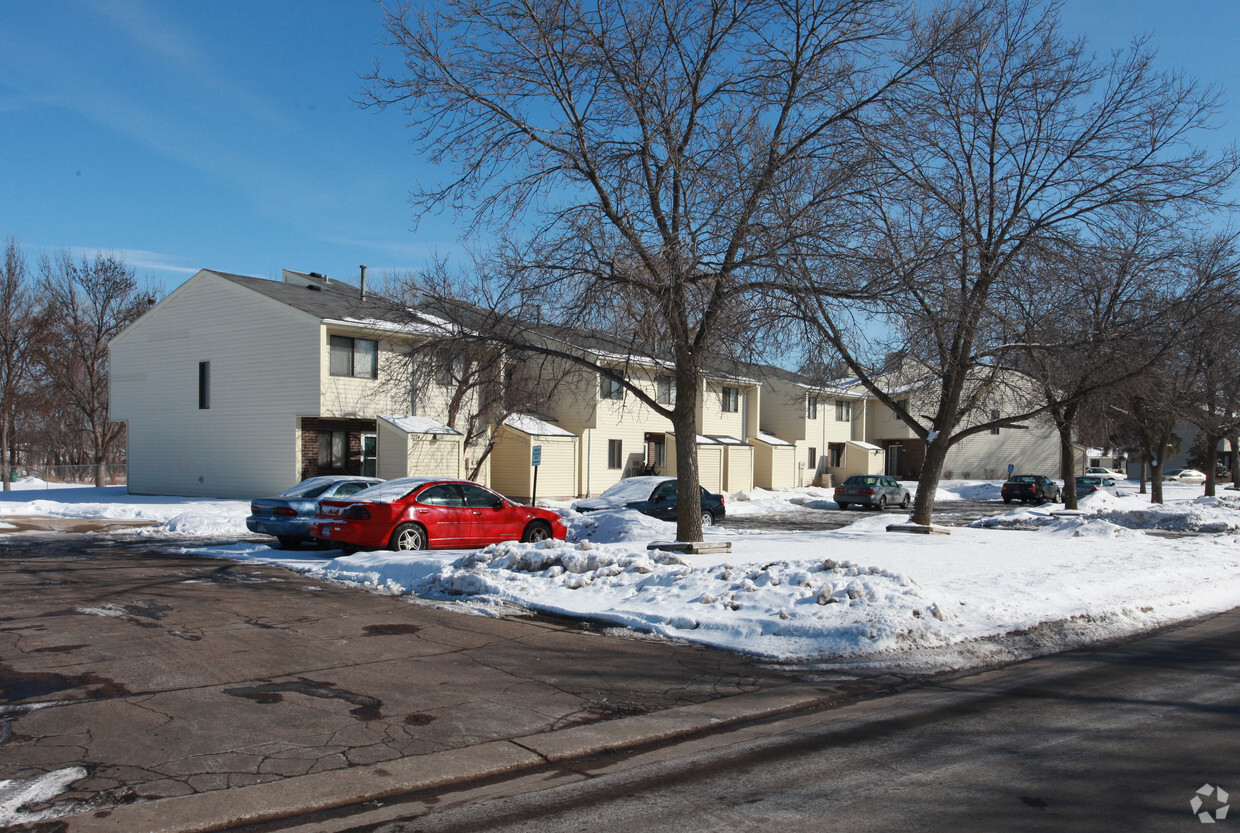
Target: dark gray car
{"points": [[874, 490]]}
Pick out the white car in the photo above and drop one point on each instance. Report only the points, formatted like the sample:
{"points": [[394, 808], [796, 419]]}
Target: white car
{"points": [[1184, 476], [1102, 471]]}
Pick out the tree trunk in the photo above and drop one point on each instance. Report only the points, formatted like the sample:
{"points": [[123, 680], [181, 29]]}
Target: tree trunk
{"points": [[1234, 441], [688, 492], [4, 452], [1156, 490], [928, 482], [1067, 457], [1212, 441]]}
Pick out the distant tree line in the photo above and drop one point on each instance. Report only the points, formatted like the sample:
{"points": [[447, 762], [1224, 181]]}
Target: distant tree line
{"points": [[56, 319]]}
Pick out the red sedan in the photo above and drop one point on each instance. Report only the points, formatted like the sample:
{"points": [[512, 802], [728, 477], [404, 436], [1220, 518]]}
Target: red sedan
{"points": [[415, 513]]}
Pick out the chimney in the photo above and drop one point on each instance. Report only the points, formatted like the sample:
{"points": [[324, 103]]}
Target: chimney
{"points": [[363, 295]]}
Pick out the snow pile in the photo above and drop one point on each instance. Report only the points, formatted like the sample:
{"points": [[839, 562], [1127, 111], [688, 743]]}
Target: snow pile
{"points": [[1133, 512], [776, 609]]}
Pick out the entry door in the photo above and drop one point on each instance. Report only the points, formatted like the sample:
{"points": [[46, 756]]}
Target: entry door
{"points": [[895, 460], [370, 455]]}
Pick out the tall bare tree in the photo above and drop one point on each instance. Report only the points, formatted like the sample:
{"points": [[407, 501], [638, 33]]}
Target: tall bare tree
{"points": [[23, 325], [91, 301], [1016, 137], [653, 158]]}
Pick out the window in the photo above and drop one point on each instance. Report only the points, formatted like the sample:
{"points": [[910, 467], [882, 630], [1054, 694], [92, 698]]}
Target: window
{"points": [[480, 498], [204, 385], [813, 457], [333, 450], [994, 415], [664, 492], [843, 410], [731, 400], [358, 357], [665, 390], [609, 387], [451, 369], [615, 458], [445, 494], [812, 412]]}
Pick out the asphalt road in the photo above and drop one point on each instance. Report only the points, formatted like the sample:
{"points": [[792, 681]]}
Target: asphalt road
{"points": [[1118, 739]]}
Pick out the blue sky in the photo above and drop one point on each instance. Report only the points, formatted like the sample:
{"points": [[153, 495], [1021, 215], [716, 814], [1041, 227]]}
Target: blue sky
{"points": [[223, 134]]}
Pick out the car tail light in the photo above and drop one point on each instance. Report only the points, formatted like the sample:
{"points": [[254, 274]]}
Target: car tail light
{"points": [[284, 510], [356, 512], [866, 492], [839, 488], [253, 508]]}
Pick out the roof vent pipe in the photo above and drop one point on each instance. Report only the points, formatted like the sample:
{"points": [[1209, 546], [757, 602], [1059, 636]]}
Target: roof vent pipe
{"points": [[363, 295]]}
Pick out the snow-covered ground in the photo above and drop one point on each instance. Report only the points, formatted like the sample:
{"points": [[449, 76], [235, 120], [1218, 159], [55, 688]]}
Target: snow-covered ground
{"points": [[1023, 582]]}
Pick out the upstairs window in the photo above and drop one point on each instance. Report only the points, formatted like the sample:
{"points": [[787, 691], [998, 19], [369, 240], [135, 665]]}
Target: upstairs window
{"points": [[665, 390], [610, 387], [843, 410], [731, 400], [357, 357], [812, 408]]}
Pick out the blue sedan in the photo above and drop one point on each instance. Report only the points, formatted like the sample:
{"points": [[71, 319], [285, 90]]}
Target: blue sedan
{"points": [[287, 516]]}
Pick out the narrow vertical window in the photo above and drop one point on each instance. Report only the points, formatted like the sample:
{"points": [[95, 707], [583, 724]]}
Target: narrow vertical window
{"points": [[615, 459], [813, 457], [812, 409], [204, 385]]}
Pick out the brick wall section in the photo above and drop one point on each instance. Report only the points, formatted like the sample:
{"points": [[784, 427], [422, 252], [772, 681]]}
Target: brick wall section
{"points": [[310, 428]]}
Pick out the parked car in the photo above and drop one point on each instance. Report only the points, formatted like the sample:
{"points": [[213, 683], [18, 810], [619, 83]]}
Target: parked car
{"points": [[287, 516], [874, 490], [1184, 475], [1087, 484], [415, 513], [1102, 471], [654, 496], [1031, 488]]}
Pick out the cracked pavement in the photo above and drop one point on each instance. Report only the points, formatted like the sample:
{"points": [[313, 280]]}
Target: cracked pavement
{"points": [[167, 675]]}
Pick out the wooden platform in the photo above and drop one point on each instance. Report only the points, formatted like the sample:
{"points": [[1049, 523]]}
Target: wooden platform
{"points": [[919, 529], [692, 547]]}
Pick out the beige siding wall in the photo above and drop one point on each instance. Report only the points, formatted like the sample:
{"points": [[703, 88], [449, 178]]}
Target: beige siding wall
{"points": [[738, 468], [710, 467], [712, 419], [513, 475], [774, 466], [986, 456], [784, 410], [264, 374]]}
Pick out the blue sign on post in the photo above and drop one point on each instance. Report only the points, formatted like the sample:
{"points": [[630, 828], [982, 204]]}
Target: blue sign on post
{"points": [[1011, 468], [536, 457]]}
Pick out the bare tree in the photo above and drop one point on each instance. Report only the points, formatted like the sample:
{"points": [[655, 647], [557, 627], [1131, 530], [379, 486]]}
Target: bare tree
{"points": [[1211, 350], [1093, 317], [655, 159], [91, 301], [1014, 138], [23, 324]]}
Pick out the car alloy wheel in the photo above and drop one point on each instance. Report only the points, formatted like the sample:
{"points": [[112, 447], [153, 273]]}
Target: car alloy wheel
{"points": [[408, 537]]}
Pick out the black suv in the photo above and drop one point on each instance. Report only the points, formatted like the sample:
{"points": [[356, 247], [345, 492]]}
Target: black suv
{"points": [[1031, 488]]}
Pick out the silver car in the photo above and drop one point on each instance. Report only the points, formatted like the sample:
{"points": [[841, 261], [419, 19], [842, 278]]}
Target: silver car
{"points": [[874, 490], [1090, 483]]}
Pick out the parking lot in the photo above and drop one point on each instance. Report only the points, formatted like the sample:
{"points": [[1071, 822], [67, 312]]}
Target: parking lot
{"points": [[804, 518]]}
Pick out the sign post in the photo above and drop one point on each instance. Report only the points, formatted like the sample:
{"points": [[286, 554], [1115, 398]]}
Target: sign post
{"points": [[535, 461]]}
